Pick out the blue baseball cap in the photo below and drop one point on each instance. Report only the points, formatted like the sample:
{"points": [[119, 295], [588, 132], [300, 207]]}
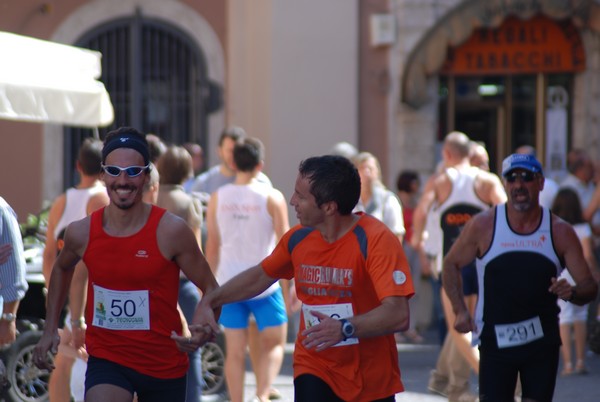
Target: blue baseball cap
{"points": [[521, 161]]}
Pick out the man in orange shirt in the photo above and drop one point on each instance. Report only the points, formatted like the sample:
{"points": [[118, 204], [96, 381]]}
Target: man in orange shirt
{"points": [[353, 280]]}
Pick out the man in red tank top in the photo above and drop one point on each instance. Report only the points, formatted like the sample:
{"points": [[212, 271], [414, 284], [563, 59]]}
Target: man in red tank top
{"points": [[134, 251]]}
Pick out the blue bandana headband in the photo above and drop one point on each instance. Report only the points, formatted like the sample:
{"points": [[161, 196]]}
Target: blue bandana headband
{"points": [[126, 141]]}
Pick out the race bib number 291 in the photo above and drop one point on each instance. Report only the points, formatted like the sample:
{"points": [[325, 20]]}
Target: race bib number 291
{"points": [[121, 310], [519, 333]]}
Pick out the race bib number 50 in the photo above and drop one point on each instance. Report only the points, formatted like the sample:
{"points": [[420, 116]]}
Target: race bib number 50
{"points": [[121, 310]]}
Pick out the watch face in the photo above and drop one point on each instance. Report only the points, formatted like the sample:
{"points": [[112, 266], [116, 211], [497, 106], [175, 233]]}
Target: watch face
{"points": [[348, 329]]}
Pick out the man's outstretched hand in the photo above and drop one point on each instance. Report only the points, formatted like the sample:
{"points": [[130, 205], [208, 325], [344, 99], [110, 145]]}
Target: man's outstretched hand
{"points": [[45, 348]]}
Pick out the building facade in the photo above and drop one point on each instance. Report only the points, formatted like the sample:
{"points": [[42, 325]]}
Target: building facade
{"points": [[390, 76], [507, 73]]}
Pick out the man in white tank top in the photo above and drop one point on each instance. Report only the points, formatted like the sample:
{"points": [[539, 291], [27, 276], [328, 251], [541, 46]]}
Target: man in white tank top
{"points": [[520, 250], [460, 192], [245, 219], [76, 203]]}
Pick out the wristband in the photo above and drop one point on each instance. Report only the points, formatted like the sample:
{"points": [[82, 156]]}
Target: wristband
{"points": [[10, 317], [79, 323]]}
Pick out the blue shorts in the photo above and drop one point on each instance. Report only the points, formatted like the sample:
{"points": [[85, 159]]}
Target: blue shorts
{"points": [[267, 311], [152, 389]]}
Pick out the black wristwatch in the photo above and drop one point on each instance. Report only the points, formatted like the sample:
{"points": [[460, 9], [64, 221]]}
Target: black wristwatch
{"points": [[348, 329]]}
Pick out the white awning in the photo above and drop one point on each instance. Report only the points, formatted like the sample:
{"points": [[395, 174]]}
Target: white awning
{"points": [[47, 82]]}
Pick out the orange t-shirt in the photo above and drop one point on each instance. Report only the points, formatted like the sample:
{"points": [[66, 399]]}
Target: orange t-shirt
{"points": [[132, 300], [347, 277]]}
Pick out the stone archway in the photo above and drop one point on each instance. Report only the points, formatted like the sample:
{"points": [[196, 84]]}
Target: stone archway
{"points": [[429, 54], [94, 13]]}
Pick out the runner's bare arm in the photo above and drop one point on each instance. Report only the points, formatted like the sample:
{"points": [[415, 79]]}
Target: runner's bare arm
{"points": [[593, 205], [78, 288], [51, 248], [213, 238], [475, 233], [245, 285], [569, 248], [77, 300], [495, 190], [277, 208], [178, 243], [76, 238], [390, 316], [587, 243], [420, 213]]}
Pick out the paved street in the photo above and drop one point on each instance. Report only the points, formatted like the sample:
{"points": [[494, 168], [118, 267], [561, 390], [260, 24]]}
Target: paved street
{"points": [[417, 360]]}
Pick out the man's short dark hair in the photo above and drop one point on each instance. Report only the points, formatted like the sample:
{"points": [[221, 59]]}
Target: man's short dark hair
{"points": [[332, 178], [156, 146], [248, 153], [233, 132], [90, 157], [405, 180], [174, 165]]}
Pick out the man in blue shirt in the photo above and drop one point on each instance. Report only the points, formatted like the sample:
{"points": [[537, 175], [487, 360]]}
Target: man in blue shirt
{"points": [[12, 272]]}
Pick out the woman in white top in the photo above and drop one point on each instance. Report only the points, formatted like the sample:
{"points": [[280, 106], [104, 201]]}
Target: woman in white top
{"points": [[573, 318]]}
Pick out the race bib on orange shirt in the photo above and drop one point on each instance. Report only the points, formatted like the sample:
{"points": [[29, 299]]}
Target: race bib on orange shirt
{"points": [[337, 311]]}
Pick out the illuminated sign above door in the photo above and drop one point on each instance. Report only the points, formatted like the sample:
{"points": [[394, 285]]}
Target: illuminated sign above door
{"points": [[537, 45]]}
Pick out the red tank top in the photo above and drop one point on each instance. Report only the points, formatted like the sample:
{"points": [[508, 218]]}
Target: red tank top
{"points": [[132, 300]]}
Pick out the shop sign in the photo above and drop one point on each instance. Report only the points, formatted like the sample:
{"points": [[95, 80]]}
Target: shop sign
{"points": [[537, 45]]}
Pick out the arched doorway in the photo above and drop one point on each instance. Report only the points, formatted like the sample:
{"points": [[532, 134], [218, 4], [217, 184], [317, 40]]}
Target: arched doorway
{"points": [[420, 89], [157, 79], [500, 87]]}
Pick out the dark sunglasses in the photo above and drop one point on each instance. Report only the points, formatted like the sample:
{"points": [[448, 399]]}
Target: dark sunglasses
{"points": [[132, 171], [525, 176]]}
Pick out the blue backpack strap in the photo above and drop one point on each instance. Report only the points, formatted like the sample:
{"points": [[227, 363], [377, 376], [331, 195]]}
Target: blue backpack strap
{"points": [[297, 237], [361, 237]]}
